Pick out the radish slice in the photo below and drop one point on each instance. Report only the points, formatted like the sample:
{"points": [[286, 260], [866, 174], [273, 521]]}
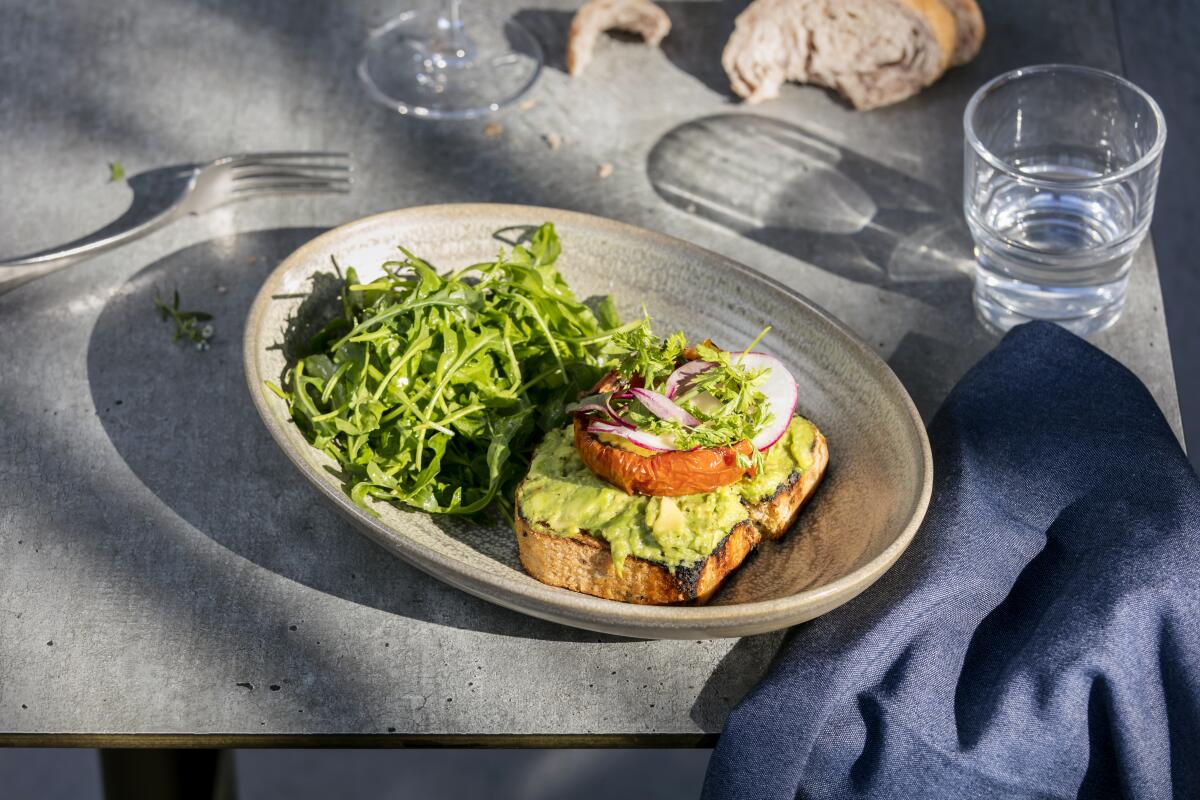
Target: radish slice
{"points": [[648, 441], [662, 407], [779, 388], [683, 374], [707, 404]]}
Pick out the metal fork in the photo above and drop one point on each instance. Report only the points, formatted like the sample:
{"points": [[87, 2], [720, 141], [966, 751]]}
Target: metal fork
{"points": [[200, 188]]}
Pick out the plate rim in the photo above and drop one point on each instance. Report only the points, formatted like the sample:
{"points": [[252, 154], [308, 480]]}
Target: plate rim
{"points": [[563, 605]]}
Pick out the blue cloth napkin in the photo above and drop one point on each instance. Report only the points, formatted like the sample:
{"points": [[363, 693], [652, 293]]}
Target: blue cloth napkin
{"points": [[1041, 635]]}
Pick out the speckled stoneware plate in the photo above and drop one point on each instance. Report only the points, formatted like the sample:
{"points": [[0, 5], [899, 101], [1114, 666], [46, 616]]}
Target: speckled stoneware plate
{"points": [[859, 522]]}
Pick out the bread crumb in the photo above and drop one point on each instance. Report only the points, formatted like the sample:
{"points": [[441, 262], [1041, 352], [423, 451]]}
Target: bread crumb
{"points": [[604, 170], [527, 104], [553, 140], [493, 130]]}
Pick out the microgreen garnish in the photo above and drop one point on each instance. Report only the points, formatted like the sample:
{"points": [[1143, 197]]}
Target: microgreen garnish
{"points": [[116, 171], [642, 354], [757, 339], [187, 325], [430, 389], [725, 398]]}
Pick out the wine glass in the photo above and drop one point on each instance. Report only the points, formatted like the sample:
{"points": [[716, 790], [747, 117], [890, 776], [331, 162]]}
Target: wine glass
{"points": [[453, 63]]}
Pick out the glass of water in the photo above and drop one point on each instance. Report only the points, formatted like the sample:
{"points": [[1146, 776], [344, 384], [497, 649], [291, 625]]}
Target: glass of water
{"points": [[1061, 166]]}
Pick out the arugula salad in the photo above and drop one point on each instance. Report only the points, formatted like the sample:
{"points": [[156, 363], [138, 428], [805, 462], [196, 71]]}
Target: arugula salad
{"points": [[430, 389]]}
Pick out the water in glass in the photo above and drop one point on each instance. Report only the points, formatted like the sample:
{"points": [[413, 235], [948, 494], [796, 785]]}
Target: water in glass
{"points": [[1055, 217]]}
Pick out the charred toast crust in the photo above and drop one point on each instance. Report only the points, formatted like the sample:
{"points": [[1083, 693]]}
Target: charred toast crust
{"points": [[774, 515], [583, 563]]}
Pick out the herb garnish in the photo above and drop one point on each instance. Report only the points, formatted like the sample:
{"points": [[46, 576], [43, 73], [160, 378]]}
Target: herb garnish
{"points": [[186, 322], [116, 172], [429, 389], [725, 398]]}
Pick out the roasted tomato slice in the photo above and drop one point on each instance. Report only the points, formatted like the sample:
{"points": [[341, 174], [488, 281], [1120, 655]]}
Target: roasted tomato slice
{"points": [[672, 474]]}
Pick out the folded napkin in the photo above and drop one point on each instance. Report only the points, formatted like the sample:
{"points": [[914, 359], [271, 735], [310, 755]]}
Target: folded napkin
{"points": [[1041, 635]]}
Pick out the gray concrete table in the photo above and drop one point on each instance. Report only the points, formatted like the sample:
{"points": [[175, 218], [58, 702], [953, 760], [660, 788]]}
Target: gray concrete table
{"points": [[166, 577]]}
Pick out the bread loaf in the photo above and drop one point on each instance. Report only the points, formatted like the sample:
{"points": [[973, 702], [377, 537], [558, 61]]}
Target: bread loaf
{"points": [[873, 52], [968, 21]]}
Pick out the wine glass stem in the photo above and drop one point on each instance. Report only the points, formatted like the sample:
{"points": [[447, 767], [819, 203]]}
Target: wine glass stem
{"points": [[457, 45]]}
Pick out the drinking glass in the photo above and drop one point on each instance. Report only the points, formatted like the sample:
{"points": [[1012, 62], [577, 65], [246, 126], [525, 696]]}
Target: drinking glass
{"points": [[453, 63], [1061, 166]]}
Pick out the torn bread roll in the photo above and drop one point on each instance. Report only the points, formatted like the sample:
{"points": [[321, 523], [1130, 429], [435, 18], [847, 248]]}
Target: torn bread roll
{"points": [[968, 21], [873, 52], [640, 17]]}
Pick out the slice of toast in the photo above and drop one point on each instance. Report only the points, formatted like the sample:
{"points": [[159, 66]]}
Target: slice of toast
{"points": [[584, 563]]}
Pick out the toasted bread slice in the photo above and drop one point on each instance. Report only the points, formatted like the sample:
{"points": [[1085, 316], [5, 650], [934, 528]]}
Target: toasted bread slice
{"points": [[584, 563], [774, 515]]}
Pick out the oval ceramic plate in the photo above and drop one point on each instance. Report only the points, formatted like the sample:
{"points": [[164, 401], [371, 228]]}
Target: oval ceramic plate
{"points": [[859, 522]]}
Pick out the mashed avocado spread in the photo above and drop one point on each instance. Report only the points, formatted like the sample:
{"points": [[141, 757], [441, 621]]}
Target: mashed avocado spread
{"points": [[568, 498]]}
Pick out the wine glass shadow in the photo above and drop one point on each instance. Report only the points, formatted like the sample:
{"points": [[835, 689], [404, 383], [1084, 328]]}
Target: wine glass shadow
{"points": [[799, 193], [183, 421]]}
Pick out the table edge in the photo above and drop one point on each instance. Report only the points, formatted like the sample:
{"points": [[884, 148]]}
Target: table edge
{"points": [[358, 740]]}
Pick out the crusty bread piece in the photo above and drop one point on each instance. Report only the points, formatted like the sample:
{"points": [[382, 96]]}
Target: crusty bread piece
{"points": [[641, 17], [874, 52], [584, 563], [968, 21]]}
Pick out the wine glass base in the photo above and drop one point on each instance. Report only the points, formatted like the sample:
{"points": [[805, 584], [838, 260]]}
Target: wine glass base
{"points": [[416, 65]]}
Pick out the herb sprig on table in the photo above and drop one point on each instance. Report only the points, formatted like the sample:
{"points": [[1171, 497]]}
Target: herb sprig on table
{"points": [[430, 389], [187, 323]]}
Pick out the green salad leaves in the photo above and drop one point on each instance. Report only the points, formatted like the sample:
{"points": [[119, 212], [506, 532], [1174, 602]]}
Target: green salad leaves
{"points": [[430, 389]]}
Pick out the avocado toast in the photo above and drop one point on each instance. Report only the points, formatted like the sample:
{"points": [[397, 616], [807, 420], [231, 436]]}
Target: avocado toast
{"points": [[676, 467], [718, 529]]}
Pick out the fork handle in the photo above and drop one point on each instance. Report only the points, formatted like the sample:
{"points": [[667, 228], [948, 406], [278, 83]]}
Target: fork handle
{"points": [[14, 272]]}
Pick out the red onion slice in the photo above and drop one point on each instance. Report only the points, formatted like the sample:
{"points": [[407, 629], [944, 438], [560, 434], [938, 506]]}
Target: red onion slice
{"points": [[779, 388], [663, 407], [649, 441], [612, 412], [684, 373], [593, 402]]}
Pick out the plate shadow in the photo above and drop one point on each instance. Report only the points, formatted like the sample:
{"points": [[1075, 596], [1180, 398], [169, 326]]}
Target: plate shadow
{"points": [[184, 423]]}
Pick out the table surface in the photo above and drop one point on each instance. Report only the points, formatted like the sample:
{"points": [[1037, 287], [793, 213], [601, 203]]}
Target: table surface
{"points": [[166, 577]]}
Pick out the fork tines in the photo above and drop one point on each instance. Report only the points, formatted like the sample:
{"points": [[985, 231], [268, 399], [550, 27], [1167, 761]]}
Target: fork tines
{"points": [[291, 171]]}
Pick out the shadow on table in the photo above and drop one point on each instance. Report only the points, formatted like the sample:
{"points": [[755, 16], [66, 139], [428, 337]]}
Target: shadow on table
{"points": [[154, 191], [702, 29], [183, 422], [550, 27], [808, 197], [736, 674]]}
